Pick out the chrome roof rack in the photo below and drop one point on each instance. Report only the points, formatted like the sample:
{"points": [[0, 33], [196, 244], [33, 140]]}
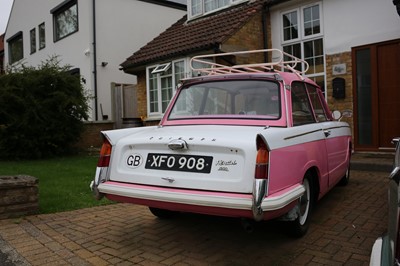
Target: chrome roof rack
{"points": [[281, 61]]}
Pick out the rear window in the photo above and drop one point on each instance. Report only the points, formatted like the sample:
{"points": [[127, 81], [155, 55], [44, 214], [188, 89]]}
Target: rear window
{"points": [[247, 99]]}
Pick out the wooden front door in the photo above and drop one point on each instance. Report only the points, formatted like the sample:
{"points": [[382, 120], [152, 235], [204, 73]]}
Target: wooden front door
{"points": [[376, 75]]}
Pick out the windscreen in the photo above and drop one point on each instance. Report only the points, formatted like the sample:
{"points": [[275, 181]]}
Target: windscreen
{"points": [[248, 99]]}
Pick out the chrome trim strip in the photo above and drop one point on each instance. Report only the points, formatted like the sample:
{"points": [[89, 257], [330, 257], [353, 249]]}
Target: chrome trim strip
{"points": [[302, 134]]}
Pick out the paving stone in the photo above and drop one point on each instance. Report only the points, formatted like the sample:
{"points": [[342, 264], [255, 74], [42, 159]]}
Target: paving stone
{"points": [[344, 225]]}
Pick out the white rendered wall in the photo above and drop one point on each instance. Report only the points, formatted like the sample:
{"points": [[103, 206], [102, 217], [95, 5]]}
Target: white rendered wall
{"points": [[122, 30], [27, 14]]}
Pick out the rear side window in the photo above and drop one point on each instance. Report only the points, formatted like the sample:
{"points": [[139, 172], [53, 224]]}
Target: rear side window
{"points": [[301, 108], [315, 98]]}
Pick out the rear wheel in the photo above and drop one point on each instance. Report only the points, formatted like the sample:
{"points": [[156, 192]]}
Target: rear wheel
{"points": [[299, 227], [345, 179], [162, 213]]}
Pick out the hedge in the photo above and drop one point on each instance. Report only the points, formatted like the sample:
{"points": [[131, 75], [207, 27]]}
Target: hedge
{"points": [[42, 111]]}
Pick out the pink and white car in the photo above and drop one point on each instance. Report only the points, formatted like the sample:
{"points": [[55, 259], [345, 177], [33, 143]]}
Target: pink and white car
{"points": [[252, 141]]}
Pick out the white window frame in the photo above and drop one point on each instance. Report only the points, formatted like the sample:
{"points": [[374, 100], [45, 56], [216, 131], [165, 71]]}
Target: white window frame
{"points": [[300, 19], [282, 28], [32, 41], [42, 35], [313, 36], [203, 10], [159, 70], [63, 10], [15, 42], [302, 39]]}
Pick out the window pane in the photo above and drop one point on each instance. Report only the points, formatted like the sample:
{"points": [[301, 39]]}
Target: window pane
{"points": [[294, 50], [319, 110], [33, 40], [307, 14], [210, 5], [16, 48], [166, 92], [198, 65], [320, 80], [179, 71], [42, 36], [311, 20], [230, 99], [314, 55], [153, 92], [223, 3], [364, 97], [301, 109], [196, 6], [290, 26], [66, 22]]}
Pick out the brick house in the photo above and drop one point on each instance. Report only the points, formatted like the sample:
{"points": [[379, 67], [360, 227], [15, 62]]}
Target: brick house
{"points": [[355, 59]]}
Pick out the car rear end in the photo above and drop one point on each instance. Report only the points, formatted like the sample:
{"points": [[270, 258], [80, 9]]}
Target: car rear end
{"points": [[203, 172]]}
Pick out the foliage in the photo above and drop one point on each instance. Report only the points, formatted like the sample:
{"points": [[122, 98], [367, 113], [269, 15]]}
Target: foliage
{"points": [[41, 111]]}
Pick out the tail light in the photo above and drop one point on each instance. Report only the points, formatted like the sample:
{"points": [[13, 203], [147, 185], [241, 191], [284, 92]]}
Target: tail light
{"points": [[105, 154], [262, 159]]}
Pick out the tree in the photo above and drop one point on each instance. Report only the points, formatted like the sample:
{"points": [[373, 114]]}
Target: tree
{"points": [[41, 111]]}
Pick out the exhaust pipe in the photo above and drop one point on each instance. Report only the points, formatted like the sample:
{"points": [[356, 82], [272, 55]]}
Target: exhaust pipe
{"points": [[247, 225]]}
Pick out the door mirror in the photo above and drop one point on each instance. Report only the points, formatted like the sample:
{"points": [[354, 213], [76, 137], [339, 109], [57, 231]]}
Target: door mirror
{"points": [[347, 113], [337, 115]]}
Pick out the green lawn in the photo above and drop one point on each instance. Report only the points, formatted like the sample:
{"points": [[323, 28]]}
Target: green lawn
{"points": [[63, 182]]}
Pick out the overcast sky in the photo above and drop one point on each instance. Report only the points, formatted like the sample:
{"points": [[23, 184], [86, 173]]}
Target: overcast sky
{"points": [[5, 8]]}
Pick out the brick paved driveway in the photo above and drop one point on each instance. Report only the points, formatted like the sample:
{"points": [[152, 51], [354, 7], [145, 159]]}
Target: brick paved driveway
{"points": [[344, 226]]}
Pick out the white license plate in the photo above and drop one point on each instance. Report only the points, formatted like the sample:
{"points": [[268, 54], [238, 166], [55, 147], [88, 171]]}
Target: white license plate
{"points": [[179, 162]]}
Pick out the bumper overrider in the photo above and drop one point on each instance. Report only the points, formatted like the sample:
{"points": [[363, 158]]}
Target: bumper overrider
{"points": [[257, 202]]}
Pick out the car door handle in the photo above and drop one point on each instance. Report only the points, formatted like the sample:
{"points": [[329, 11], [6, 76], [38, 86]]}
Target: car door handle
{"points": [[327, 133]]}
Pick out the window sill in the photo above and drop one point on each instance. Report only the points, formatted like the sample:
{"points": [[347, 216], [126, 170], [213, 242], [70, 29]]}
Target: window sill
{"points": [[153, 118]]}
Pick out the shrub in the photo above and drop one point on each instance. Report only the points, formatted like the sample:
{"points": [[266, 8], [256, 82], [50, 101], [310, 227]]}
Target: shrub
{"points": [[41, 111]]}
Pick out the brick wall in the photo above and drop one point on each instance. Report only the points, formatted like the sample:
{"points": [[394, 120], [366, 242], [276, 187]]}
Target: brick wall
{"points": [[141, 94], [347, 102], [249, 37], [91, 137]]}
